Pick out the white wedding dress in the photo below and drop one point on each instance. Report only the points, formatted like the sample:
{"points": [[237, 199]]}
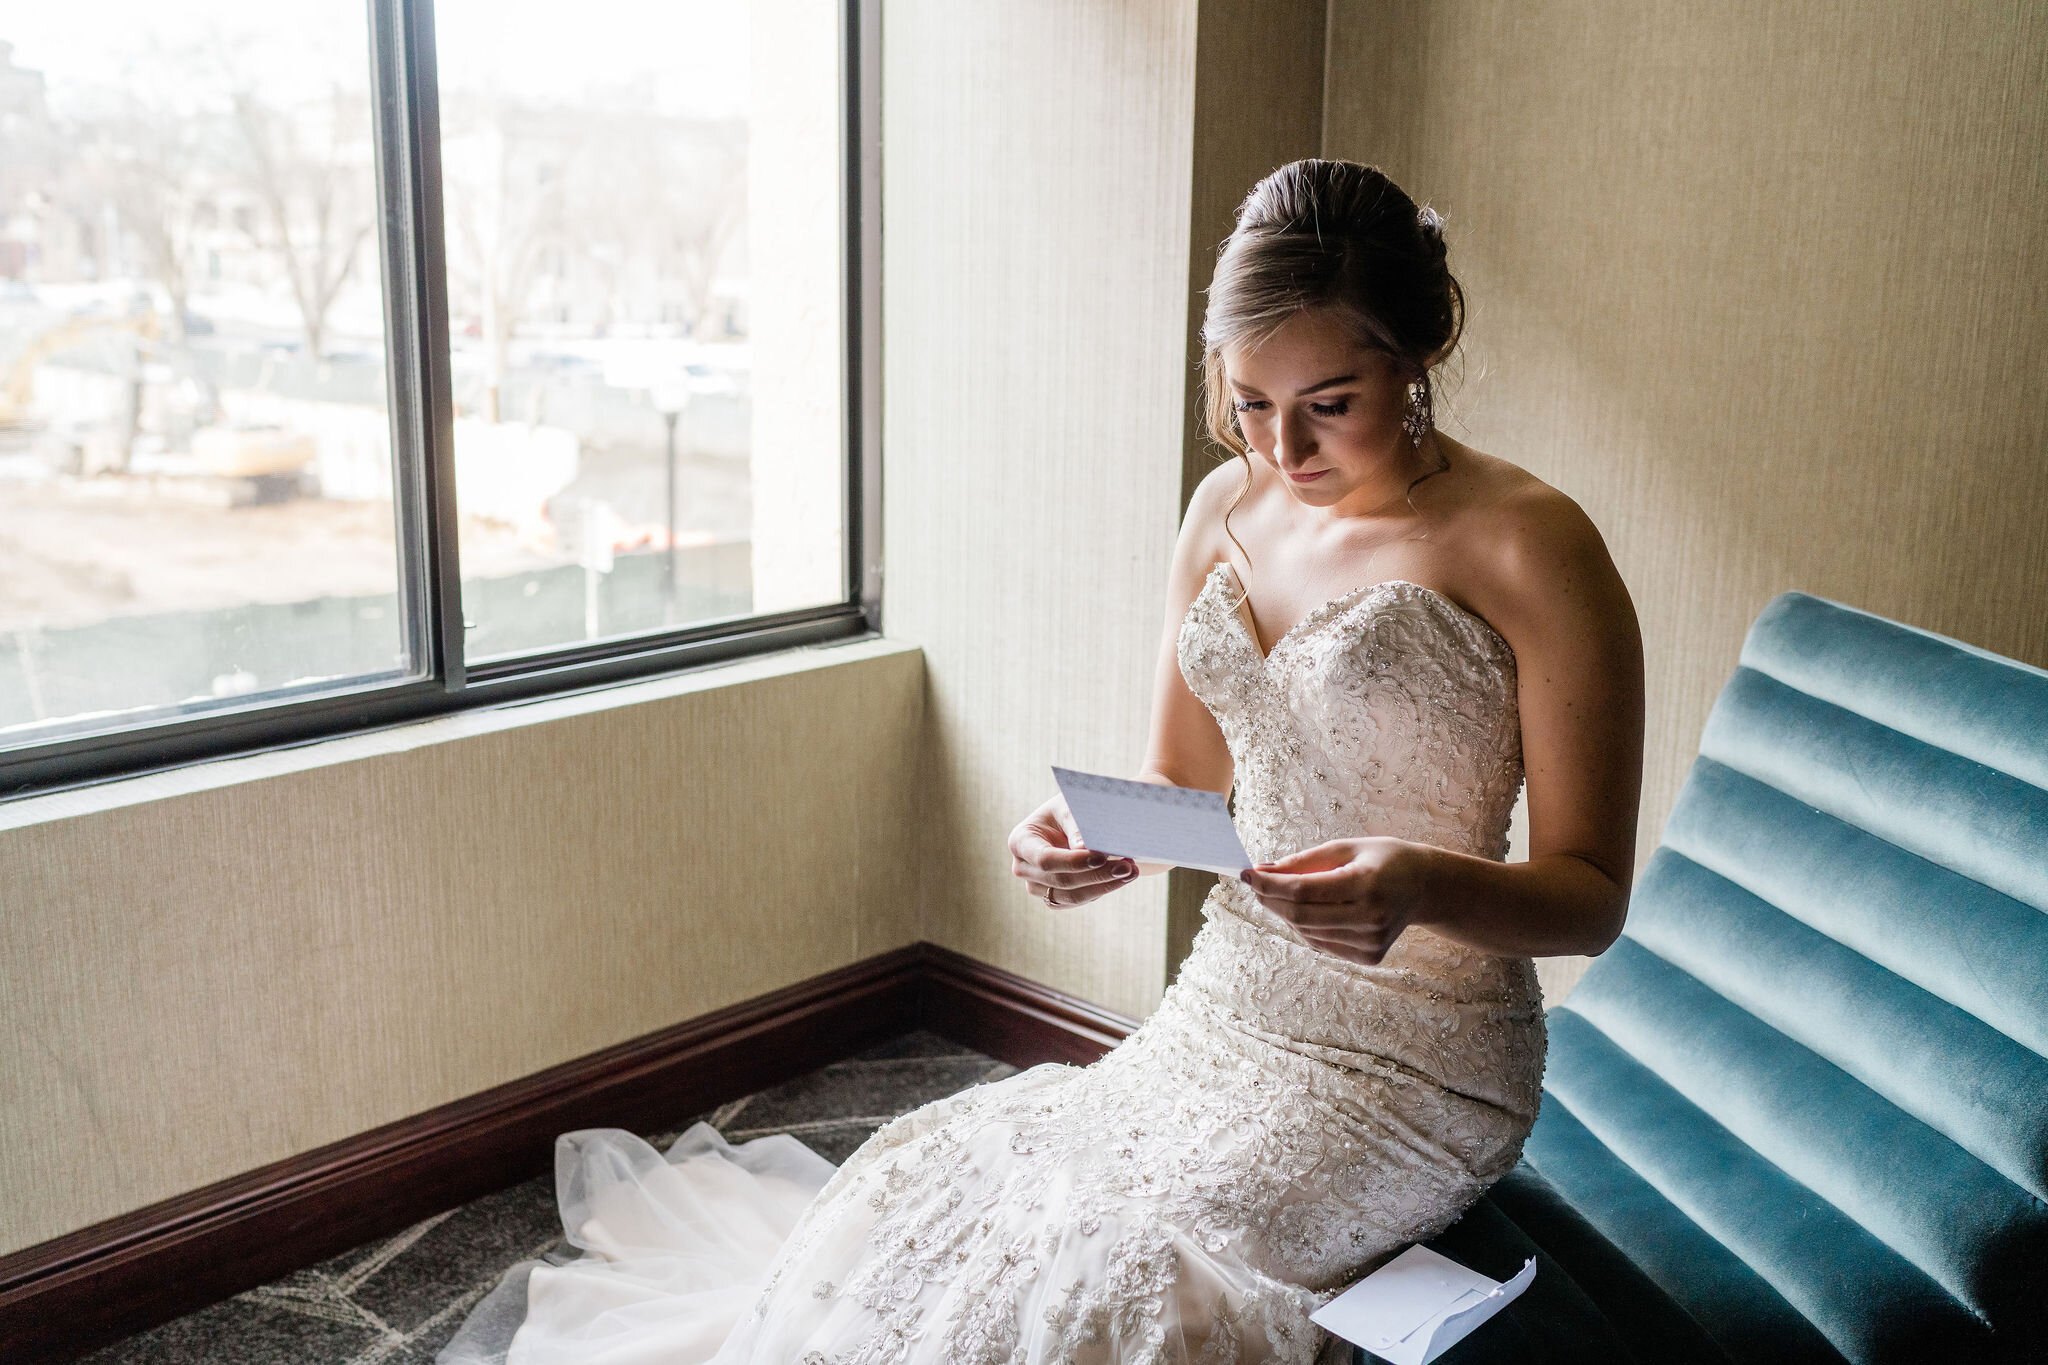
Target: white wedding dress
{"points": [[1283, 1122]]}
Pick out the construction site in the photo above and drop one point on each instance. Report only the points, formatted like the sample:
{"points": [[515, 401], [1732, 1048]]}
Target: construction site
{"points": [[196, 440]]}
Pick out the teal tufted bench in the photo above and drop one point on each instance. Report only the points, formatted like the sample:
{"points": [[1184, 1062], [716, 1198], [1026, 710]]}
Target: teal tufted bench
{"points": [[1799, 1111]]}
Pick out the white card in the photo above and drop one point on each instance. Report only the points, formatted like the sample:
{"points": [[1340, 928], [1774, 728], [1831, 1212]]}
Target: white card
{"points": [[1418, 1305], [1151, 823]]}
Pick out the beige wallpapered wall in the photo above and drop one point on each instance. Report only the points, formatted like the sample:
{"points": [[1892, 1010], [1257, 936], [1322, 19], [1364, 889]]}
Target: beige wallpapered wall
{"points": [[1764, 287], [1035, 228], [195, 985]]}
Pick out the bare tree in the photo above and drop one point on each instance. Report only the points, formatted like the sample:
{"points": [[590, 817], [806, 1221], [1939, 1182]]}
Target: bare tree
{"points": [[142, 165], [504, 167], [319, 200], [661, 198], [703, 204]]}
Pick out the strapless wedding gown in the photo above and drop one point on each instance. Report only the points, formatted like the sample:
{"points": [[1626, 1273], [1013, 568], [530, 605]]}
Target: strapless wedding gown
{"points": [[1283, 1122]]}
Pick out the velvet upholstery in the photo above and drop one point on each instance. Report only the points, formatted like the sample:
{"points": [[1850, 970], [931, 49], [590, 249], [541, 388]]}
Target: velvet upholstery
{"points": [[1799, 1111]]}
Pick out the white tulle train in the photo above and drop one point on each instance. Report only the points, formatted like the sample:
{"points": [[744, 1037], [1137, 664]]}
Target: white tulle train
{"points": [[675, 1247]]}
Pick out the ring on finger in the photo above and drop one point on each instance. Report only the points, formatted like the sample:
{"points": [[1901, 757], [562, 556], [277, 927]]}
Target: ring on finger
{"points": [[1048, 897]]}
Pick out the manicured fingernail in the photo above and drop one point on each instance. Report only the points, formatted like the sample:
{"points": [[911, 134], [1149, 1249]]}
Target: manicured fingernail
{"points": [[1123, 871], [1096, 860]]}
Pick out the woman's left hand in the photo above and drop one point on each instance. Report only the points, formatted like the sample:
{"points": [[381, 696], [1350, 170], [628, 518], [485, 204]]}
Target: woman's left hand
{"points": [[1348, 897]]}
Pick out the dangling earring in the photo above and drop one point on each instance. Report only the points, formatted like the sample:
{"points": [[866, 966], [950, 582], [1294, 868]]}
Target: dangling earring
{"points": [[1418, 419]]}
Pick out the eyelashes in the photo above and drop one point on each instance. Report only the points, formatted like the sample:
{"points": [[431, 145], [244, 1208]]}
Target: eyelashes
{"points": [[1336, 409]]}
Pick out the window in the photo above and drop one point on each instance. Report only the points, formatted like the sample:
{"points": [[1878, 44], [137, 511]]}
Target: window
{"points": [[362, 363]]}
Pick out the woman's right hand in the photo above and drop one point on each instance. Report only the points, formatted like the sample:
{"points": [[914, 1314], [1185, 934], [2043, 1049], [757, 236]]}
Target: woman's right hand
{"points": [[1047, 852]]}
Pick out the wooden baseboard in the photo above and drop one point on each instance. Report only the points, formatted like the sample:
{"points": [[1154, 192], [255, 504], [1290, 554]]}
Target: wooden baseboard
{"points": [[80, 1291], [1010, 1017]]}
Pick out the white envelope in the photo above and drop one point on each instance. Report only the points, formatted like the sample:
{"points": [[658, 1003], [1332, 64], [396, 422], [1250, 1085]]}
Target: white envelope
{"points": [[1152, 823], [1418, 1305]]}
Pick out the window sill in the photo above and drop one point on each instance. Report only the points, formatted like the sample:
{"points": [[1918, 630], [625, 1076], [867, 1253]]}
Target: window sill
{"points": [[116, 793]]}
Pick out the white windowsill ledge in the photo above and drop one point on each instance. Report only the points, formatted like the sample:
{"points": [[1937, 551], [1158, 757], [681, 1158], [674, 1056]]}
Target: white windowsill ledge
{"points": [[207, 774]]}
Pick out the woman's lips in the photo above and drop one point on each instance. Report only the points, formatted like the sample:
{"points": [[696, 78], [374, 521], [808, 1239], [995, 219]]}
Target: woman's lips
{"points": [[1309, 477]]}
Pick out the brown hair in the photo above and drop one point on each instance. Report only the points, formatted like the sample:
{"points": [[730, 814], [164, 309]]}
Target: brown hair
{"points": [[1328, 234]]}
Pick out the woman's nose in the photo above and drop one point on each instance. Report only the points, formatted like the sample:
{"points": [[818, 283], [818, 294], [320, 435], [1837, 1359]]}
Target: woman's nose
{"points": [[1291, 441]]}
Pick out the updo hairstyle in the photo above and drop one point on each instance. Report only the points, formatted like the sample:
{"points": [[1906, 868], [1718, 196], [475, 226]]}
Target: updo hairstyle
{"points": [[1335, 235]]}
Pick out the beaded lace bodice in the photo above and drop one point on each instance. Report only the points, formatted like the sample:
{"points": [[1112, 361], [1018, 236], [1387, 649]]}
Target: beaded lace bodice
{"points": [[1281, 1123], [1387, 710]]}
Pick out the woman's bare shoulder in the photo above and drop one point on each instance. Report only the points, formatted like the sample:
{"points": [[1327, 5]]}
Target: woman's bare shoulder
{"points": [[1202, 526], [1530, 542]]}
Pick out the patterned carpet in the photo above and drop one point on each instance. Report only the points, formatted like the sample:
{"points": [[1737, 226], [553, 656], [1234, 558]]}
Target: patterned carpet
{"points": [[395, 1302]]}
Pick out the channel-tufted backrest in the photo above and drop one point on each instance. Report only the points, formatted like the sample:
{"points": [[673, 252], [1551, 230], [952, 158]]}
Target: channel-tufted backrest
{"points": [[1823, 1035]]}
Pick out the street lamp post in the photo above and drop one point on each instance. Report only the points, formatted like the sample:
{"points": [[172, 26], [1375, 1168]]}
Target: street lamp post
{"points": [[658, 368], [669, 398], [668, 545]]}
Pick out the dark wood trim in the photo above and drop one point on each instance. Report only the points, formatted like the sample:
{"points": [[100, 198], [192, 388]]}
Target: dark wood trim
{"points": [[1010, 1017], [75, 1293]]}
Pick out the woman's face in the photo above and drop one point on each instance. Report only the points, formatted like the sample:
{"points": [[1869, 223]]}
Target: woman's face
{"points": [[1322, 410]]}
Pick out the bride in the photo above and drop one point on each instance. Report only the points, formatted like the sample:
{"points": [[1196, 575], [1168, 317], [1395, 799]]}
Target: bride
{"points": [[1373, 632]]}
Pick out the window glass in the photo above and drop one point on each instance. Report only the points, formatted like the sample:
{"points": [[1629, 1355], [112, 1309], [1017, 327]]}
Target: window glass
{"points": [[195, 457], [642, 222]]}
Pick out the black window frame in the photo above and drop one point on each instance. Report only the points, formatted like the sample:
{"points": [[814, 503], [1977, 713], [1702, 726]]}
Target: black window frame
{"points": [[406, 118]]}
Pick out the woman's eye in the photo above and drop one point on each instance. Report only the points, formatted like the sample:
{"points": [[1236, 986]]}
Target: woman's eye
{"points": [[1247, 404], [1336, 409]]}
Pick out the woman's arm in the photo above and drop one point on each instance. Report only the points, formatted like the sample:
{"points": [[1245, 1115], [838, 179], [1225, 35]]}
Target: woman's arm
{"points": [[1563, 608], [1553, 593]]}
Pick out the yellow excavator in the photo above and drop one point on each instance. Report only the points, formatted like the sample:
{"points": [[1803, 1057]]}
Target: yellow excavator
{"points": [[17, 395]]}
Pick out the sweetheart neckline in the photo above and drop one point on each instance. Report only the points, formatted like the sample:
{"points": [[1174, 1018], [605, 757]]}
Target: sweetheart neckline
{"points": [[1245, 624]]}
